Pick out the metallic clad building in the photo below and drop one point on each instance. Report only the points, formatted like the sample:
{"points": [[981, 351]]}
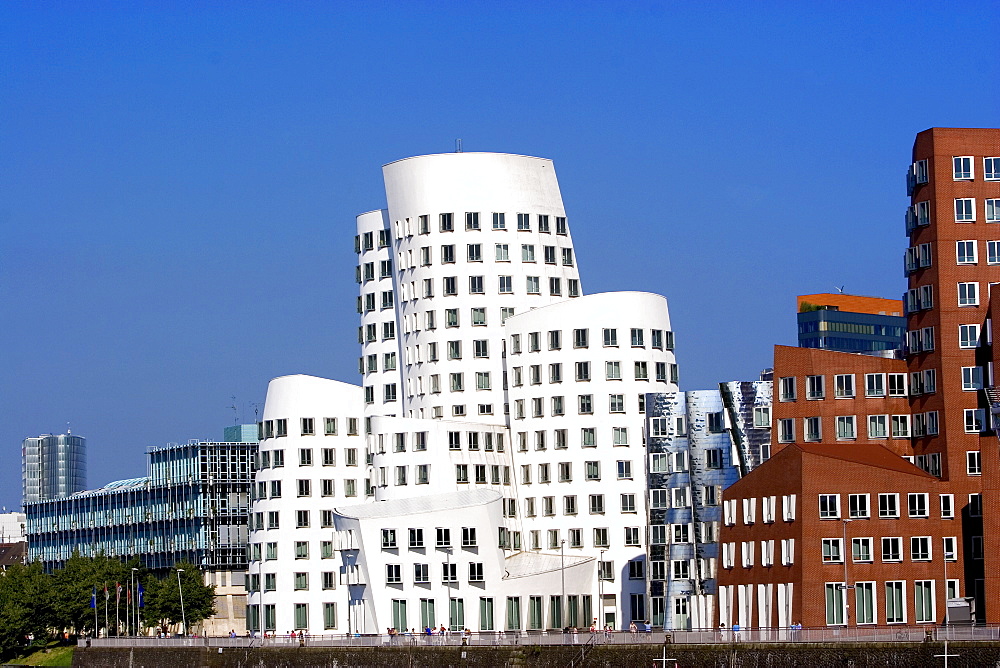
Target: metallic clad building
{"points": [[53, 467]]}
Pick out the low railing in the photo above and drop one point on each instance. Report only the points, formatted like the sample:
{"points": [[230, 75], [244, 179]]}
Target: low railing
{"points": [[881, 634]]}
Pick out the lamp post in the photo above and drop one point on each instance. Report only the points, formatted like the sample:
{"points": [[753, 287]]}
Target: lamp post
{"points": [[451, 618], [948, 554], [600, 589], [132, 603], [562, 575], [180, 590], [847, 604]]}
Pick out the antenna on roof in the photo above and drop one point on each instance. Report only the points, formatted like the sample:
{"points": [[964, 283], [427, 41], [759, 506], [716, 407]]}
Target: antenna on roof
{"points": [[458, 146], [68, 430], [236, 413], [256, 408]]}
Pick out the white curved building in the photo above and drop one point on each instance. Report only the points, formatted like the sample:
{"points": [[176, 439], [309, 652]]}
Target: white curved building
{"points": [[502, 485]]}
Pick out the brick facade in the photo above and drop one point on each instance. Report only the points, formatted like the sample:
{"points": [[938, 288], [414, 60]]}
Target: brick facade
{"points": [[952, 264]]}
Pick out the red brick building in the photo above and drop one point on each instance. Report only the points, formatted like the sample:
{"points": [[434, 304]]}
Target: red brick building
{"points": [[942, 389], [821, 396], [783, 550]]}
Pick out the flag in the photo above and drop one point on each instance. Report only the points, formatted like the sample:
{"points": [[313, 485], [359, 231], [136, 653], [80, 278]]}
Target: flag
{"points": [[106, 594], [141, 596], [93, 597], [118, 593]]}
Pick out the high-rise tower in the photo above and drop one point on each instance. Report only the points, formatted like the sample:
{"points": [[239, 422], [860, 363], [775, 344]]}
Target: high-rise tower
{"points": [[53, 466]]}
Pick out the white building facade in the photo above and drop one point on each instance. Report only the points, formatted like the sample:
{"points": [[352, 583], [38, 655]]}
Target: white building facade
{"points": [[497, 480]]}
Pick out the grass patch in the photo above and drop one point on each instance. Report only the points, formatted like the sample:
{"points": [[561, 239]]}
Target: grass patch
{"points": [[53, 655]]}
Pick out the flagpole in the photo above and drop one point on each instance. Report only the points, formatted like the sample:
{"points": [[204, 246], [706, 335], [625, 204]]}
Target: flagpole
{"points": [[118, 599], [93, 600], [106, 629]]}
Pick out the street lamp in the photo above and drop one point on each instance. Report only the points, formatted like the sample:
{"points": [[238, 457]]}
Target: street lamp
{"points": [[600, 589], [847, 604], [180, 590], [562, 575], [134, 616], [451, 617]]}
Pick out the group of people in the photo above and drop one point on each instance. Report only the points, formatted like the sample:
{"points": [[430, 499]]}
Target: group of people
{"points": [[795, 627]]}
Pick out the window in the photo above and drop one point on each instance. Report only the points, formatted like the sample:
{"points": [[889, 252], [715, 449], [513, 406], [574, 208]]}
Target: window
{"points": [[561, 225], [829, 506], [968, 336], [524, 221], [304, 487], [900, 426], [974, 420], [610, 337], [506, 285], [861, 549], [878, 426], [846, 427], [833, 551], [963, 167], [897, 384], [991, 169], [616, 403], [814, 387], [499, 221], [812, 429], [628, 503], [844, 385], [301, 549], [586, 404], [973, 463], [918, 505], [965, 210], [596, 504], [601, 537], [532, 285], [786, 430], [965, 252], [762, 417], [920, 548], [972, 378], [555, 339], [858, 506], [624, 469], [388, 539], [393, 574], [472, 220], [787, 388], [527, 253], [593, 470], [835, 604], [888, 505]]}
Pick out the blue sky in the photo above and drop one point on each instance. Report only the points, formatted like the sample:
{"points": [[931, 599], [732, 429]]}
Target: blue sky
{"points": [[178, 181]]}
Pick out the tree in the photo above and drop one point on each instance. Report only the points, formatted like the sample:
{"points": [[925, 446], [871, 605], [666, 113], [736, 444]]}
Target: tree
{"points": [[25, 595], [163, 597], [74, 585]]}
